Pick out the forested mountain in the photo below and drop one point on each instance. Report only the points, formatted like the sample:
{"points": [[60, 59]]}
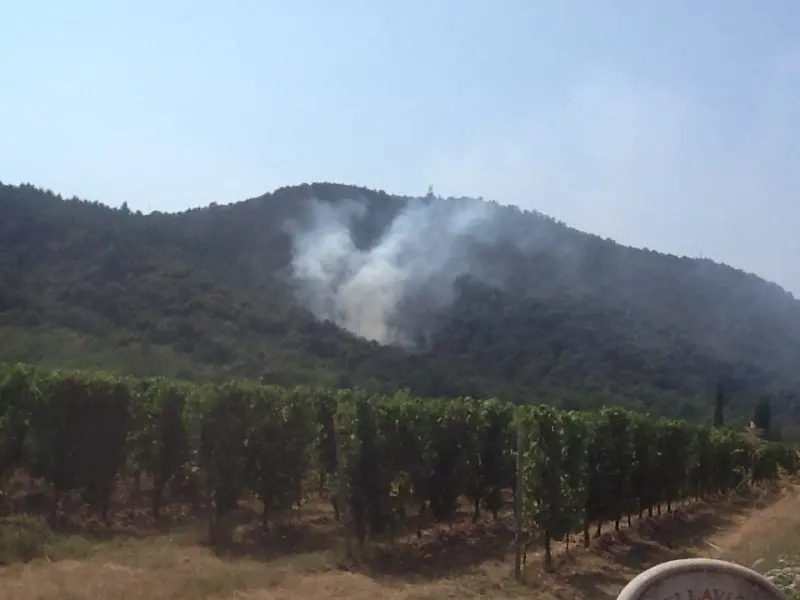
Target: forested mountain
{"points": [[458, 296]]}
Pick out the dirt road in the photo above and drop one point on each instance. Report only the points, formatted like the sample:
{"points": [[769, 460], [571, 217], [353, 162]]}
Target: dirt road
{"points": [[179, 567]]}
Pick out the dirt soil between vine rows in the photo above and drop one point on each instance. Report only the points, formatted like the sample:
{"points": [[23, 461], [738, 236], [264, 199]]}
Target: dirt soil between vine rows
{"points": [[462, 560]]}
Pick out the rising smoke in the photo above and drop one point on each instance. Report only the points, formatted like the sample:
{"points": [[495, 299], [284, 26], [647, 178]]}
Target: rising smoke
{"points": [[411, 267]]}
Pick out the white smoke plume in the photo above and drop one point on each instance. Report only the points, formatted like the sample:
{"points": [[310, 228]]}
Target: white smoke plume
{"points": [[420, 254]]}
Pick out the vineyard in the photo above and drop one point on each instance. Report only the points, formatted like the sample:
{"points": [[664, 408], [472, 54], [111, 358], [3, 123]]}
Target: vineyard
{"points": [[382, 461]]}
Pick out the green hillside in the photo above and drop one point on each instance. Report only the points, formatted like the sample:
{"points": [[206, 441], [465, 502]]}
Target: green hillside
{"points": [[566, 317]]}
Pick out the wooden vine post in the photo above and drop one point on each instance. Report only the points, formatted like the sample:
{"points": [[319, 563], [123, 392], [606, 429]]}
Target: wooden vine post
{"points": [[518, 502], [341, 488]]}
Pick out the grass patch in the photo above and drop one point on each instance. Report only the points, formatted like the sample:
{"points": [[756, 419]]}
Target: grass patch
{"points": [[303, 562], [24, 538]]}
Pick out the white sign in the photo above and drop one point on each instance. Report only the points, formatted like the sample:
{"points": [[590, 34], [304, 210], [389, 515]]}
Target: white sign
{"points": [[700, 579]]}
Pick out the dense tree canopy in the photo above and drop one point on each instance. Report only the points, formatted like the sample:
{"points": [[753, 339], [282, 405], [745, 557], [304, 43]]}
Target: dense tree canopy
{"points": [[578, 321]]}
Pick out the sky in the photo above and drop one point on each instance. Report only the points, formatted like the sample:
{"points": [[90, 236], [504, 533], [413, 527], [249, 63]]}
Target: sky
{"points": [[667, 124]]}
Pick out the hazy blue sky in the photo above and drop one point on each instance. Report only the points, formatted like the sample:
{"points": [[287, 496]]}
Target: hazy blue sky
{"points": [[671, 124]]}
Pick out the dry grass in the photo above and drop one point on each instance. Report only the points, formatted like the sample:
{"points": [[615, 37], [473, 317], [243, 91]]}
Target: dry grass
{"points": [[760, 538], [180, 568], [301, 560]]}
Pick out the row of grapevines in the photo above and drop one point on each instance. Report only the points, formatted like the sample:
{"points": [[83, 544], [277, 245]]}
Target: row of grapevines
{"points": [[582, 469], [385, 457], [406, 453], [79, 432]]}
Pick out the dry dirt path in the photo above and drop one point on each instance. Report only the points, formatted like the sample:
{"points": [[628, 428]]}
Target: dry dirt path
{"points": [[757, 538], [178, 567]]}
